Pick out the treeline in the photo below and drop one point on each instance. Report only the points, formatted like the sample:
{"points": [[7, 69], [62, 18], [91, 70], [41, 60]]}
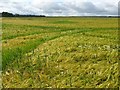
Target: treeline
{"points": [[7, 14]]}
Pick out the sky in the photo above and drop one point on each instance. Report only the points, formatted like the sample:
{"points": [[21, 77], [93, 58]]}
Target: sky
{"points": [[61, 7]]}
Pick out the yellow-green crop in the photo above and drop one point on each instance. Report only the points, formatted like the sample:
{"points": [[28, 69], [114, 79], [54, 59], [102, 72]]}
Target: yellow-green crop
{"points": [[60, 52]]}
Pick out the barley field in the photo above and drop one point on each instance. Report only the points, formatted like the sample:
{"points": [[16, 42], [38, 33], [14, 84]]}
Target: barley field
{"points": [[60, 52]]}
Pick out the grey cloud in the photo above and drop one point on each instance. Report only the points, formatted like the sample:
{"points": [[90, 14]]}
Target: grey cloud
{"points": [[18, 7], [55, 7], [70, 8], [59, 8], [119, 8], [90, 8]]}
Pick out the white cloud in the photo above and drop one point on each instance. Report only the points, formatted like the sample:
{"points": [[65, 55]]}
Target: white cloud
{"points": [[61, 7]]}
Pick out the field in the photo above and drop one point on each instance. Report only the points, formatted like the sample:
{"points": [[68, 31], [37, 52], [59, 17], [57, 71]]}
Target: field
{"points": [[60, 52]]}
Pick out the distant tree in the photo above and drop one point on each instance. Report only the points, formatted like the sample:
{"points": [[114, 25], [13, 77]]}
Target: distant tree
{"points": [[42, 16], [6, 14], [17, 15]]}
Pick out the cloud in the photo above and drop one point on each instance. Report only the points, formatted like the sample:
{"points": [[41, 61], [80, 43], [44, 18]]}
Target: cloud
{"points": [[61, 7], [16, 7]]}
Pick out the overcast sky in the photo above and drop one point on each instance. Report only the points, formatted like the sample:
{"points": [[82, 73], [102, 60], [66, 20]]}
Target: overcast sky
{"points": [[61, 7]]}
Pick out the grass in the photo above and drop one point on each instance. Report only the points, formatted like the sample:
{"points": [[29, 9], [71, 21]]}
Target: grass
{"points": [[60, 53]]}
